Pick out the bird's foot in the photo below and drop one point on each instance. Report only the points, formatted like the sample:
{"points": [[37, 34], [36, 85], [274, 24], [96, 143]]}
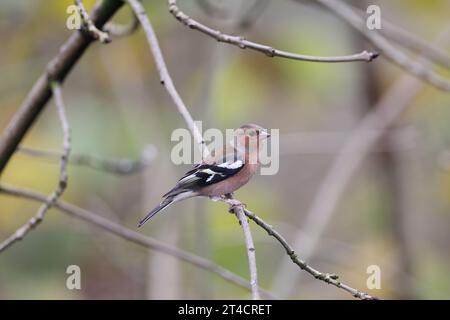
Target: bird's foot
{"points": [[234, 204], [228, 195]]}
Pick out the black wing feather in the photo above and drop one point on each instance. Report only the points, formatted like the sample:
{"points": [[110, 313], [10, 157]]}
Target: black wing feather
{"points": [[203, 175]]}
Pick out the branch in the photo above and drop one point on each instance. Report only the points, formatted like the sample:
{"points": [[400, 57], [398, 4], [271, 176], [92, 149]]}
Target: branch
{"points": [[122, 166], [135, 237], [325, 277], [267, 50], [62, 184], [250, 253], [413, 67], [352, 154], [165, 78], [90, 27], [57, 70], [239, 208]]}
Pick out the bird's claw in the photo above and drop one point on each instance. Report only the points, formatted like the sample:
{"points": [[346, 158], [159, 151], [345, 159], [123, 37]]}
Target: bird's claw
{"points": [[235, 204]]}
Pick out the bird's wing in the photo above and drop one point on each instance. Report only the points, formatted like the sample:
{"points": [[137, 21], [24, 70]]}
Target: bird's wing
{"points": [[204, 174]]}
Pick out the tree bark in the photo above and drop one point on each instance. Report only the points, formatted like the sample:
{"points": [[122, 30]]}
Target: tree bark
{"points": [[57, 69]]}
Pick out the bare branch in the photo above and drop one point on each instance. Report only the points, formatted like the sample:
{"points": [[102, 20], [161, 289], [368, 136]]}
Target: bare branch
{"points": [[165, 78], [89, 25], [267, 50], [62, 184], [57, 70], [238, 209], [326, 277], [135, 237], [116, 166], [250, 253], [415, 68]]}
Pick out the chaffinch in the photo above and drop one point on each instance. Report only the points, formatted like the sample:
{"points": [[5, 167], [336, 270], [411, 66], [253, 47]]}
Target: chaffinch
{"points": [[224, 171]]}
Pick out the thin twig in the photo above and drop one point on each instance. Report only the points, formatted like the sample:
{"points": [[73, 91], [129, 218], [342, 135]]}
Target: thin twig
{"points": [[122, 166], [20, 233], [267, 50], [135, 237], [388, 50], [329, 278], [240, 214], [89, 25], [165, 77]]}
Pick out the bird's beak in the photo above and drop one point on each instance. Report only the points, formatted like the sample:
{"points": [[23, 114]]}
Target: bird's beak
{"points": [[264, 134]]}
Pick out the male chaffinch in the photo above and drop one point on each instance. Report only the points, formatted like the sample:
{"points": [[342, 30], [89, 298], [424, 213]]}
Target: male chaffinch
{"points": [[220, 174]]}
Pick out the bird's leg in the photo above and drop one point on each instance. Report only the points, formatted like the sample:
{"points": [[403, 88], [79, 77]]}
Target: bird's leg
{"points": [[228, 195]]}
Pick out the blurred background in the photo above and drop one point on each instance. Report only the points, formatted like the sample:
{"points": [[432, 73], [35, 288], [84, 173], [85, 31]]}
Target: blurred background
{"points": [[393, 214]]}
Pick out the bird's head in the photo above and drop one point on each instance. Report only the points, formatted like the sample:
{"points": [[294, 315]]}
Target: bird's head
{"points": [[252, 131], [249, 138]]}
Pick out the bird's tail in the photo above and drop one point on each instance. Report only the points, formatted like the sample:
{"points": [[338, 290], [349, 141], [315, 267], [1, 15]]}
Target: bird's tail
{"points": [[170, 199], [165, 203]]}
